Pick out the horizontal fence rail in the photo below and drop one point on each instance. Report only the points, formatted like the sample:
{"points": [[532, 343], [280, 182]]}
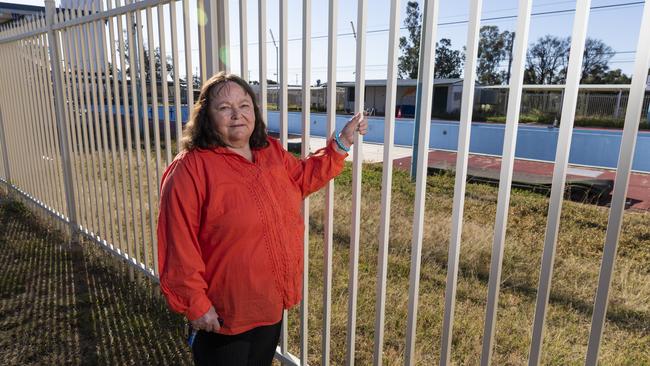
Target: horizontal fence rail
{"points": [[91, 156]]}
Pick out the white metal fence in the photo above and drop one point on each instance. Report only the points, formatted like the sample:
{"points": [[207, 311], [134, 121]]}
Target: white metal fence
{"points": [[67, 147], [592, 103]]}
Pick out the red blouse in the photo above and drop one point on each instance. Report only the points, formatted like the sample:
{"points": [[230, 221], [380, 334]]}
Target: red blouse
{"points": [[230, 231]]}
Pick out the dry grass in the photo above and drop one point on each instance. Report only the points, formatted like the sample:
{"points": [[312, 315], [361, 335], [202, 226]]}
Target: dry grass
{"points": [[76, 306], [627, 334], [576, 272]]}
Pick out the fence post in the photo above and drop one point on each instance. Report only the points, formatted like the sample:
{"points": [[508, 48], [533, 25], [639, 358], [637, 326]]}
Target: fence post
{"points": [[64, 146], [5, 153], [216, 42]]}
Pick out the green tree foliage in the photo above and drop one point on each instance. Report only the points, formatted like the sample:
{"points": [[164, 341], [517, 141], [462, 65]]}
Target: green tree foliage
{"points": [[410, 47], [494, 50], [147, 54], [595, 68], [611, 77], [449, 62], [547, 62]]}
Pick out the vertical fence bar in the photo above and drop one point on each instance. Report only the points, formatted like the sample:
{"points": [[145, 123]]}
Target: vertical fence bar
{"points": [[48, 74], [4, 111], [35, 136], [19, 98], [30, 84], [8, 115], [284, 123], [129, 148], [154, 94], [84, 97], [156, 120], [386, 181], [131, 144], [578, 38], [188, 56], [95, 139], [284, 70], [261, 35], [243, 39], [222, 39], [505, 179], [39, 77], [121, 201], [163, 81], [102, 139], [306, 113], [52, 157], [626, 154], [22, 161], [73, 117], [210, 43], [86, 116], [461, 176], [202, 18], [20, 61], [41, 80], [328, 226], [176, 76], [10, 131], [357, 172], [91, 113], [107, 108], [3, 141], [100, 131], [45, 83], [425, 84], [51, 127], [147, 146]]}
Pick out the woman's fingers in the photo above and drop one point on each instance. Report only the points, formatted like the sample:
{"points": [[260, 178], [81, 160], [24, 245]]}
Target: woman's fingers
{"points": [[209, 322], [215, 327]]}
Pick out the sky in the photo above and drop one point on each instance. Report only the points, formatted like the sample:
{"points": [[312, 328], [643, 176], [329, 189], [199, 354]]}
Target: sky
{"points": [[617, 26]]}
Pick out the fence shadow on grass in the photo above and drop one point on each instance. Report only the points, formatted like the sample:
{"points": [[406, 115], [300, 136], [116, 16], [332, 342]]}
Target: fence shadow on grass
{"points": [[76, 306]]}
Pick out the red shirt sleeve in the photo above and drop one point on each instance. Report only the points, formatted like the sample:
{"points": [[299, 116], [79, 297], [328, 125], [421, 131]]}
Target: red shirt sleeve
{"points": [[314, 171], [180, 264]]}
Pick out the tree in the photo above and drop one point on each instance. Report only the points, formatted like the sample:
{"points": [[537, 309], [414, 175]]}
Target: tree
{"points": [[408, 61], [547, 60], [157, 64], [595, 65], [147, 70], [494, 48], [449, 62], [613, 77]]}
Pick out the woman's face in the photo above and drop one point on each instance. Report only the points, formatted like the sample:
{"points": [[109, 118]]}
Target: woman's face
{"points": [[232, 114]]}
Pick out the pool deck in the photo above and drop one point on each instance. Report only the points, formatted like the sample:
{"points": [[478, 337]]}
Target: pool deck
{"points": [[537, 173], [526, 173]]}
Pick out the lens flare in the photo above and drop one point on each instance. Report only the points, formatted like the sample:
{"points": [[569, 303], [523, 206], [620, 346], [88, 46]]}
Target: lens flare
{"points": [[223, 55], [201, 16]]}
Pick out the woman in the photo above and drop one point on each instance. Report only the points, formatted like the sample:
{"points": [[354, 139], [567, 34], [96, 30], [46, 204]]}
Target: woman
{"points": [[230, 231]]}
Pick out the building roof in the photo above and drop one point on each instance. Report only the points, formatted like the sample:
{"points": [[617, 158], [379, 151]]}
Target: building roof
{"points": [[10, 12], [400, 82]]}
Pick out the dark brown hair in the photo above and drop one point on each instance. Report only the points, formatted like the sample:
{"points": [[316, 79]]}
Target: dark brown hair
{"points": [[201, 133]]}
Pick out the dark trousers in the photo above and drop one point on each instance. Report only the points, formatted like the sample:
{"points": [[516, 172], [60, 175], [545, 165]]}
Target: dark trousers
{"points": [[253, 348]]}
